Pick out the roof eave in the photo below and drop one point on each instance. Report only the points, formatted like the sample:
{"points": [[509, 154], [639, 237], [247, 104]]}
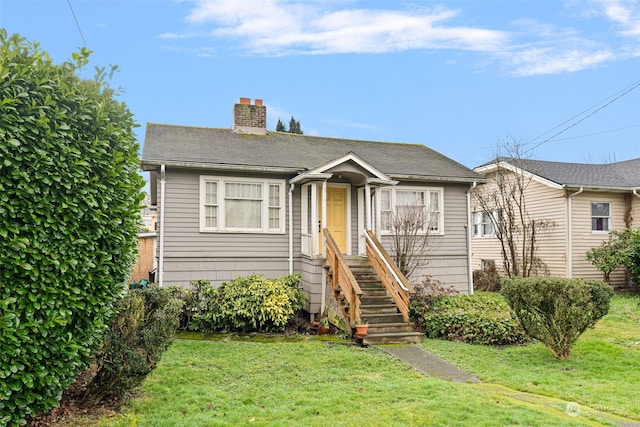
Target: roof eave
{"points": [[601, 188], [150, 165], [455, 179]]}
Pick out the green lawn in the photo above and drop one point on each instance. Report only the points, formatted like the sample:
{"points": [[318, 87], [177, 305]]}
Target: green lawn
{"points": [[316, 383], [603, 370]]}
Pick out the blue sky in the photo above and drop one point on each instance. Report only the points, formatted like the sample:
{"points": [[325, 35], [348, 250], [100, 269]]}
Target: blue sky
{"points": [[457, 76]]}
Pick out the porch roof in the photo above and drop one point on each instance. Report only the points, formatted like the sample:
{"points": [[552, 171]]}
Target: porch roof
{"points": [[214, 148]]}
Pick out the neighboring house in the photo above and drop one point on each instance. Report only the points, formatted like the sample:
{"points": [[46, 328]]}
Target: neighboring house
{"points": [[584, 201], [147, 214], [246, 200]]}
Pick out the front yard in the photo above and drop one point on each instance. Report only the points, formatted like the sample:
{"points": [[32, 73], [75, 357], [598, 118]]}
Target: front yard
{"points": [[305, 381]]}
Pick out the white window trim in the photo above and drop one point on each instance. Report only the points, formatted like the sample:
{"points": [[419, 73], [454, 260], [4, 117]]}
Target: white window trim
{"points": [[264, 220], [426, 190], [478, 224], [591, 216]]}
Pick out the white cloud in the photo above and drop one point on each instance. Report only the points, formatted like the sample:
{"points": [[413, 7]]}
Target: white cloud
{"points": [[294, 27], [625, 14], [284, 27], [537, 61]]}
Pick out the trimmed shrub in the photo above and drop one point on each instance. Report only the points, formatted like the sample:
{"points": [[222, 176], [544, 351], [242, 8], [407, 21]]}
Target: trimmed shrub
{"points": [[193, 300], [250, 304], [426, 294], [488, 280], [143, 329], [474, 319], [556, 311], [69, 218]]}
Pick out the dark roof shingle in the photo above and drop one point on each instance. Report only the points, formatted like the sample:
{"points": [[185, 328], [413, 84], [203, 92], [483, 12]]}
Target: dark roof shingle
{"points": [[624, 174], [183, 145]]}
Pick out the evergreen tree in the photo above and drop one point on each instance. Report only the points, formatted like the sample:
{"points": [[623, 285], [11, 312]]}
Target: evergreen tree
{"points": [[294, 126]]}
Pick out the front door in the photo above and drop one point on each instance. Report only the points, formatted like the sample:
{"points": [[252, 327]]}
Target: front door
{"points": [[337, 215]]}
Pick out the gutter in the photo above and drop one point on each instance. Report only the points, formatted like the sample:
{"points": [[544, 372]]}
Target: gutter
{"points": [[162, 198], [469, 228], [570, 234]]}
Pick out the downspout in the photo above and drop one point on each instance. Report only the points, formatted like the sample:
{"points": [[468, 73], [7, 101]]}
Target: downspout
{"points": [[161, 255], [469, 228], [291, 186], [323, 224], [570, 233]]}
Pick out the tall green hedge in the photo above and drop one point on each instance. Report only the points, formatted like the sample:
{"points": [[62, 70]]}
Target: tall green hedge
{"points": [[69, 215]]}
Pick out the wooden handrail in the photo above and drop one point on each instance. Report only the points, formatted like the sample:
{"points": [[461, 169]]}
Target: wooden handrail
{"points": [[393, 279], [342, 278]]}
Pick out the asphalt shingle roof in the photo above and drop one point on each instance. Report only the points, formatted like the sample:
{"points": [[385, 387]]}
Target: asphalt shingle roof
{"points": [[624, 174], [183, 145]]}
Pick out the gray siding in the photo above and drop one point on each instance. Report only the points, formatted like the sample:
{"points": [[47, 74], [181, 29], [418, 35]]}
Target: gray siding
{"points": [[191, 255], [446, 258]]}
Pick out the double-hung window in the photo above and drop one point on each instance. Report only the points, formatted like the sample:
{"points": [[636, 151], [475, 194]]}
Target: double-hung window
{"points": [[241, 205], [600, 216], [411, 208], [483, 224]]}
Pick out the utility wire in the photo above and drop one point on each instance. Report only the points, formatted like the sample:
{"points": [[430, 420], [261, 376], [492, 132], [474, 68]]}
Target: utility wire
{"points": [[613, 98], [84, 42]]}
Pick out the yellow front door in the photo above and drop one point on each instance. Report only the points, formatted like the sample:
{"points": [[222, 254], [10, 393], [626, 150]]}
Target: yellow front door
{"points": [[337, 215]]}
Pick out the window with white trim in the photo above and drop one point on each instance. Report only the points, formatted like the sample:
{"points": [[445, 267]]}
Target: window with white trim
{"points": [[483, 224], [412, 207], [241, 205], [600, 216]]}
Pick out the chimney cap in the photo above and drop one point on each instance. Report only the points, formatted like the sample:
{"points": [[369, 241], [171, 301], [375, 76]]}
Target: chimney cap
{"points": [[245, 101]]}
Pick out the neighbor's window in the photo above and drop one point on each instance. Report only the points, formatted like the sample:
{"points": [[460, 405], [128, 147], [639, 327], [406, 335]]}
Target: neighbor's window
{"points": [[244, 205], [600, 216], [414, 207], [483, 225]]}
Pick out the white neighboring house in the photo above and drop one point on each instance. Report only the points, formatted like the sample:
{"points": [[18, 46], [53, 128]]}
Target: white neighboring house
{"points": [[585, 201]]}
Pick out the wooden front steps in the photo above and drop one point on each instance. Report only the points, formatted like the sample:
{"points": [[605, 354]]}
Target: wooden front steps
{"points": [[386, 325]]}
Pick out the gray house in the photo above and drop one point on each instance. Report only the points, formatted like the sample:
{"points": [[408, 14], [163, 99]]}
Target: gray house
{"points": [[246, 200]]}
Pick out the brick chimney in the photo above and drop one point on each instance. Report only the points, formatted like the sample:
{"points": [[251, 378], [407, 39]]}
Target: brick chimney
{"points": [[250, 119]]}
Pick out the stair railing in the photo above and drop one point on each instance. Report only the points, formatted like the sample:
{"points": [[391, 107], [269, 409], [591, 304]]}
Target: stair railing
{"points": [[393, 279], [342, 278]]}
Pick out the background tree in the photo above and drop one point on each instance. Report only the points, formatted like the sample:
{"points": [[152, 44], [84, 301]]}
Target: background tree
{"points": [[504, 202], [69, 217], [621, 250], [294, 126]]}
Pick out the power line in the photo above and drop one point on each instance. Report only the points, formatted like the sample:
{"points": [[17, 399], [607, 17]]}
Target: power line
{"points": [[84, 42], [610, 100], [598, 133]]}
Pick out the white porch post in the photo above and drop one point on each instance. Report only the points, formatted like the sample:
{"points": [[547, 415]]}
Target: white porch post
{"points": [[367, 205], [323, 207]]}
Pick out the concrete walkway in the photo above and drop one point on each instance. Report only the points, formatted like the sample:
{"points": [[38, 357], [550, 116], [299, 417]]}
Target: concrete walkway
{"points": [[433, 366], [427, 363]]}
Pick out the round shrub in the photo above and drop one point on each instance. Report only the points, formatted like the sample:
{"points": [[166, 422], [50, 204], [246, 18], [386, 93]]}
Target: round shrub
{"points": [[250, 304], [475, 319], [69, 216], [555, 310]]}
